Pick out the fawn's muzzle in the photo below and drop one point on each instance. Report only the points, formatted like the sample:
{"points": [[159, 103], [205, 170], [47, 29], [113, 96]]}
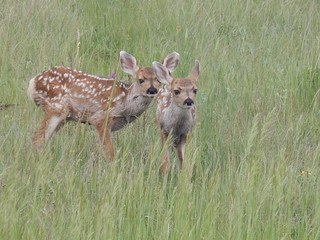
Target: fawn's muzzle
{"points": [[188, 102], [152, 90]]}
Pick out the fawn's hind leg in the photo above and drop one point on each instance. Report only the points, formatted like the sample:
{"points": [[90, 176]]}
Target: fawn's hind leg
{"points": [[50, 123]]}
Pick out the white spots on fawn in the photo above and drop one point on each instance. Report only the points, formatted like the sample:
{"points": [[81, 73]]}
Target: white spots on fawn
{"points": [[95, 102], [164, 98], [77, 95], [104, 100], [57, 105], [40, 92], [57, 98], [59, 84], [119, 97], [81, 84], [122, 85]]}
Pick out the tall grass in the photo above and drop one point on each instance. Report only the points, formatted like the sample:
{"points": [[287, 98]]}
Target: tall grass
{"points": [[252, 162]]}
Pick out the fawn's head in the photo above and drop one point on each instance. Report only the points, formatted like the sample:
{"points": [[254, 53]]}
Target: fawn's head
{"points": [[145, 77], [183, 90]]}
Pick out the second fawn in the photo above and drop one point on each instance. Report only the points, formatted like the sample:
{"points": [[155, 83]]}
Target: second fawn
{"points": [[175, 109], [68, 94]]}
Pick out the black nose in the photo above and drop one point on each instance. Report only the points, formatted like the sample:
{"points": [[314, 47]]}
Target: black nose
{"points": [[188, 102], [152, 90]]}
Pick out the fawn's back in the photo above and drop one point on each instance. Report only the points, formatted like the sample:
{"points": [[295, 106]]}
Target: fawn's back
{"points": [[76, 93]]}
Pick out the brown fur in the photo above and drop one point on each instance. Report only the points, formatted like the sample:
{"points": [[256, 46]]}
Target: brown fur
{"points": [[174, 115]]}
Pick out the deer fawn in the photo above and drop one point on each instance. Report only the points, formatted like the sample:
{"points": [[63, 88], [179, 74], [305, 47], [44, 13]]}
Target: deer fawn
{"points": [[175, 109], [67, 94]]}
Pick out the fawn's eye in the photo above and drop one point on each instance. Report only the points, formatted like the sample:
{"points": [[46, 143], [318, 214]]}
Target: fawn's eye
{"points": [[176, 92], [141, 80], [195, 91]]}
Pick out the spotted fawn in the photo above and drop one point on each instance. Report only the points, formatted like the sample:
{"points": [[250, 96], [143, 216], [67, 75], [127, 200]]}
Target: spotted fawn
{"points": [[175, 109]]}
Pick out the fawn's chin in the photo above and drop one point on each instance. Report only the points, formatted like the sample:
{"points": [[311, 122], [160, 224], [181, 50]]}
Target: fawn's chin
{"points": [[186, 106], [149, 95]]}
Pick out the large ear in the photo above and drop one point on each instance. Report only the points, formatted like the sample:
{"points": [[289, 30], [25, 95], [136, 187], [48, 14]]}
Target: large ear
{"points": [[171, 61], [162, 73], [195, 71], [128, 63]]}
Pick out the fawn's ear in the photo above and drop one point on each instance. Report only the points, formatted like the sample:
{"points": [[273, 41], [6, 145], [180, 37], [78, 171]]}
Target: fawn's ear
{"points": [[162, 73], [171, 61], [195, 71], [128, 63]]}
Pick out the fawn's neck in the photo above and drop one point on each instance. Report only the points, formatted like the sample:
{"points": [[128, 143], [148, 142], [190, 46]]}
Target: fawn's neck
{"points": [[133, 105], [180, 114], [135, 102], [174, 118]]}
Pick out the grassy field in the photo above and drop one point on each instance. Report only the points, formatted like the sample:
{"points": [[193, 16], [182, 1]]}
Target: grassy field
{"points": [[252, 162]]}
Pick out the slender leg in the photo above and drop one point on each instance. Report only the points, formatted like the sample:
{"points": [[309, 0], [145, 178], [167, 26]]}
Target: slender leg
{"points": [[50, 123], [180, 148], [165, 161], [104, 132]]}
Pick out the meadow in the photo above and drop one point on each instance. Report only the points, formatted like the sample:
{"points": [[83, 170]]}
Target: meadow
{"points": [[252, 163]]}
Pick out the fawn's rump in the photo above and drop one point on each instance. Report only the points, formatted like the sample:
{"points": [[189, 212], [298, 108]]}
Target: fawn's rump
{"points": [[33, 94], [32, 89]]}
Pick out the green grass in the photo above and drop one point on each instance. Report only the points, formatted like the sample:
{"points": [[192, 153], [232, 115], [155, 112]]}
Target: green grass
{"points": [[252, 162]]}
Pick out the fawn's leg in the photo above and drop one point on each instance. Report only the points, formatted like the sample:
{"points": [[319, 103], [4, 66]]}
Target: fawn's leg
{"points": [[165, 161], [180, 148], [50, 123], [104, 131]]}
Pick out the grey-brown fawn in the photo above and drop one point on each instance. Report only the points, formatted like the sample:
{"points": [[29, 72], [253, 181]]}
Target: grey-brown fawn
{"points": [[68, 94], [175, 109]]}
